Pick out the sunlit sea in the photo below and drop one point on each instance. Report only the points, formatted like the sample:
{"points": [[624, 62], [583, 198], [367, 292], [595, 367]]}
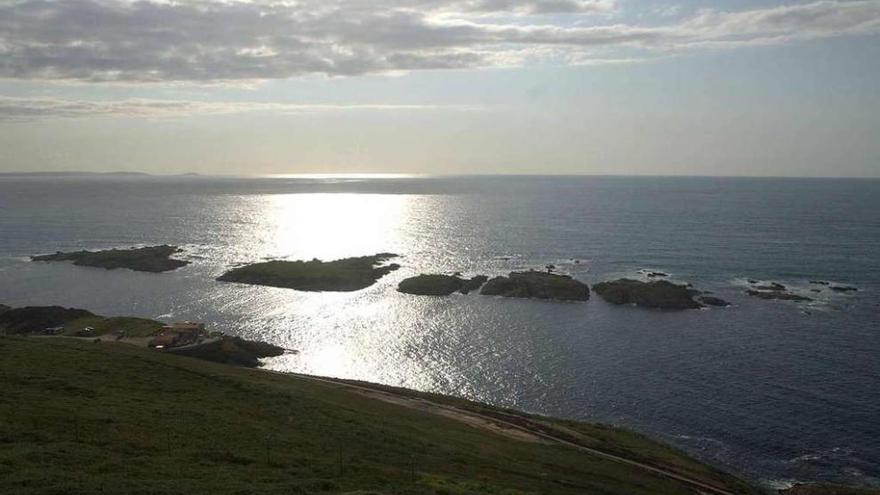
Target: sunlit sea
{"points": [[774, 391]]}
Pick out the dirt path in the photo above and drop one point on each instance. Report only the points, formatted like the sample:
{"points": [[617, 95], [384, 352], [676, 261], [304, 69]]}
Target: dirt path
{"points": [[511, 430], [473, 419]]}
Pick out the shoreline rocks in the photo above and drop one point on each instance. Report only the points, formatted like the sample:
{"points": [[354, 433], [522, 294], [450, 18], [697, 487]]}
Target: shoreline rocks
{"points": [[151, 259], [343, 275], [537, 285], [440, 285], [659, 294]]}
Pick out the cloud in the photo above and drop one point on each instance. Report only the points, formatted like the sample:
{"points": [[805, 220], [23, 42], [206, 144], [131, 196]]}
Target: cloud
{"points": [[28, 109], [535, 7], [235, 41], [786, 23]]}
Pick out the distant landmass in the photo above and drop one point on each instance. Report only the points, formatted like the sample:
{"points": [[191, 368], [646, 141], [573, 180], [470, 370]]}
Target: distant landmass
{"points": [[94, 174], [43, 174]]}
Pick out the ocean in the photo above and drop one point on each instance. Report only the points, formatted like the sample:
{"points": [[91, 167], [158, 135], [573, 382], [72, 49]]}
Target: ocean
{"points": [[774, 391]]}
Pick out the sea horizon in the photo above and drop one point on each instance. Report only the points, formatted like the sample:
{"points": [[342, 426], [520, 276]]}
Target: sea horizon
{"points": [[405, 175]]}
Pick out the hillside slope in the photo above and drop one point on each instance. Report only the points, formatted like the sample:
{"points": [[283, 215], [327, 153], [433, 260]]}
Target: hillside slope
{"points": [[81, 417]]}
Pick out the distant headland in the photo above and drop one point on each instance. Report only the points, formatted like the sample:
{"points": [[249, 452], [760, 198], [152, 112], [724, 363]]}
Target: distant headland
{"points": [[187, 339]]}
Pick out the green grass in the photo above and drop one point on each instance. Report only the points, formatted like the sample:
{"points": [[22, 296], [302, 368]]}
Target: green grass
{"points": [[80, 417], [133, 327], [606, 438], [72, 322]]}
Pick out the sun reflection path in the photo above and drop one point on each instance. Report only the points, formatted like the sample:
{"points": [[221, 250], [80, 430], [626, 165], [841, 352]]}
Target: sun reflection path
{"points": [[375, 334], [332, 226], [346, 334]]}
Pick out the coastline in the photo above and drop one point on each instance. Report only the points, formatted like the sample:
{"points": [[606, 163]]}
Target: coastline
{"points": [[452, 420], [513, 424], [632, 453]]}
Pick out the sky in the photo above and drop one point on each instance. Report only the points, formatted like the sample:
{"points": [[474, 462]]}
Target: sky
{"points": [[677, 87]]}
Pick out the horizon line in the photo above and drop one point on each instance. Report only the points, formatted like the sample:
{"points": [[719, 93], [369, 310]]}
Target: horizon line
{"points": [[405, 175]]}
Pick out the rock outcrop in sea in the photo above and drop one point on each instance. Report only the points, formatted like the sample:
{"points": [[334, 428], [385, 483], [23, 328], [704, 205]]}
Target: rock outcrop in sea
{"points": [[779, 295], [843, 288], [713, 301], [537, 285], [440, 285], [773, 291], [659, 294]]}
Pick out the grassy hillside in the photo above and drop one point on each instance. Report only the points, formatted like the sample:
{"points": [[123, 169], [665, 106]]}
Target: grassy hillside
{"points": [[72, 322], [82, 417]]}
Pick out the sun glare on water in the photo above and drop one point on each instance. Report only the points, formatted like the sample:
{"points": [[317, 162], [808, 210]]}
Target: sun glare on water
{"points": [[332, 226], [346, 334]]}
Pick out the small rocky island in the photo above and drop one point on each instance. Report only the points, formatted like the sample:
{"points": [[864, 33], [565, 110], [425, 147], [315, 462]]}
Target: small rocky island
{"points": [[440, 285], [659, 294], [344, 275], [537, 285], [153, 259]]}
